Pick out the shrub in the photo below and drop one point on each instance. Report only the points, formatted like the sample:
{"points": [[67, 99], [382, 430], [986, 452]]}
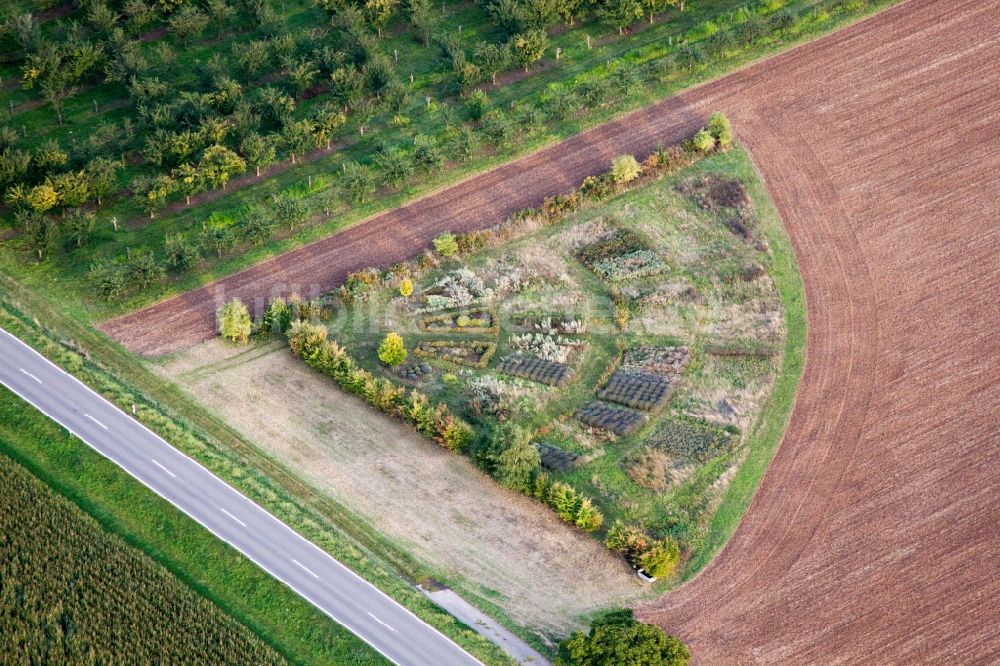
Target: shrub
{"points": [[446, 244], [703, 141], [629, 540], [498, 129], [256, 225], [588, 516], [426, 153], [618, 639], [573, 507], [234, 321], [565, 500], [478, 104], [472, 241], [358, 182], [597, 187], [181, 252], [360, 284], [125, 275], [518, 460], [303, 337], [721, 129], [661, 558], [557, 206], [392, 351], [406, 288], [454, 434], [277, 317], [625, 169], [689, 56]]}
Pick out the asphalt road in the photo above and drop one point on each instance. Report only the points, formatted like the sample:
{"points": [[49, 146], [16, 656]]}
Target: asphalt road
{"points": [[351, 601]]}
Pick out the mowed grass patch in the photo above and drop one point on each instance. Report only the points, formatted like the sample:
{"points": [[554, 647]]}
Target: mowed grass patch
{"points": [[282, 619], [493, 546]]}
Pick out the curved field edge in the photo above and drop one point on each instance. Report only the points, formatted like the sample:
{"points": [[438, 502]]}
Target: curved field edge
{"points": [[767, 433], [326, 523], [43, 278], [122, 506]]}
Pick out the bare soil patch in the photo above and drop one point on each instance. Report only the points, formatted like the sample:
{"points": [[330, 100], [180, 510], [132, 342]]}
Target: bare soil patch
{"points": [[873, 537], [434, 504]]}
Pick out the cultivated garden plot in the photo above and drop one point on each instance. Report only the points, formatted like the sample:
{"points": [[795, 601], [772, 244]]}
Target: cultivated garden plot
{"points": [[608, 364]]}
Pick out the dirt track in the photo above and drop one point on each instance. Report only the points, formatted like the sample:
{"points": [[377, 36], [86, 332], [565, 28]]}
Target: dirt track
{"points": [[874, 536]]}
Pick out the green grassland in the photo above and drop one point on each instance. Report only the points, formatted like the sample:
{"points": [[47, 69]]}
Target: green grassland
{"points": [[73, 593], [617, 74], [732, 302]]}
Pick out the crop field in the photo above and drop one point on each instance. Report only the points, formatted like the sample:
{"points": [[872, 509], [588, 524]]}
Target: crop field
{"points": [[538, 300], [870, 538], [248, 127], [73, 594]]}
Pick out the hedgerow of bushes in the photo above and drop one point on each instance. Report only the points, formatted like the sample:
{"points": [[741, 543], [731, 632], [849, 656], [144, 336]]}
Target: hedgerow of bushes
{"points": [[359, 285], [309, 342]]}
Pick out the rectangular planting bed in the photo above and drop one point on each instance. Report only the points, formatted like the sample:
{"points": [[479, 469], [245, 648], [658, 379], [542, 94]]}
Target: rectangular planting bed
{"points": [[537, 370], [619, 420]]}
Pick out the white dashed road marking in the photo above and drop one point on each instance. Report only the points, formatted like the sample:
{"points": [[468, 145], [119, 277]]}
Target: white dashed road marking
{"points": [[232, 516], [304, 568], [382, 623], [163, 468], [95, 421], [30, 375]]}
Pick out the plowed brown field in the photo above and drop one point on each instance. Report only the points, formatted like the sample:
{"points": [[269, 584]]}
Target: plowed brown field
{"points": [[874, 536]]}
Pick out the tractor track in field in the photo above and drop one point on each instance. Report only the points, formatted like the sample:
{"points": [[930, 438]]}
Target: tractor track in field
{"points": [[874, 536]]}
